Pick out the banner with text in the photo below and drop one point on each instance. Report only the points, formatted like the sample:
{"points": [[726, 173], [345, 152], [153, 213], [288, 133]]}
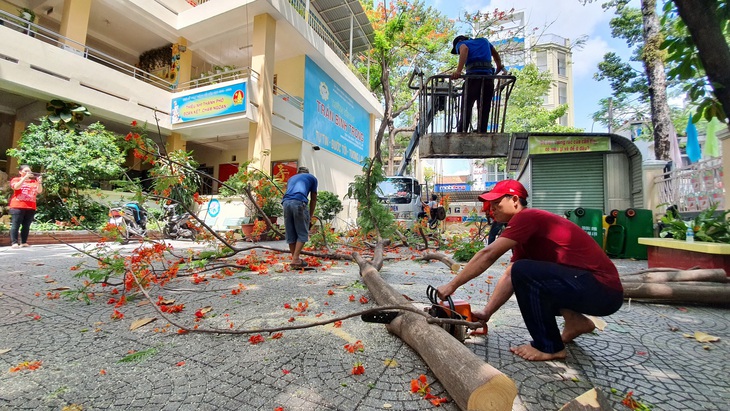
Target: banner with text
{"points": [[221, 101], [562, 145], [332, 119]]}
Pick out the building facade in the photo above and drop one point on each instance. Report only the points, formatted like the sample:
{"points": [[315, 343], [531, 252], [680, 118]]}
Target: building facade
{"points": [[263, 81]]}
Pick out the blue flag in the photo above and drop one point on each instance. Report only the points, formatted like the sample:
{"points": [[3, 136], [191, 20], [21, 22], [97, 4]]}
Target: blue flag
{"points": [[693, 144]]}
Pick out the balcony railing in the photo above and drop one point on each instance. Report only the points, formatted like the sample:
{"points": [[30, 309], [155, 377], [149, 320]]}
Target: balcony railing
{"points": [[693, 188], [47, 36]]}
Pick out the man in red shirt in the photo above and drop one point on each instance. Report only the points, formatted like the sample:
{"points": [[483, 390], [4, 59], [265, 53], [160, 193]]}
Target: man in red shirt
{"points": [[556, 269]]}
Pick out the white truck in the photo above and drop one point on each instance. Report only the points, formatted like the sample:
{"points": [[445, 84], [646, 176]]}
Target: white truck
{"points": [[403, 195]]}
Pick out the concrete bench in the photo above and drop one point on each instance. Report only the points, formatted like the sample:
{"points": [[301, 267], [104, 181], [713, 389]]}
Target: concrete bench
{"points": [[668, 252]]}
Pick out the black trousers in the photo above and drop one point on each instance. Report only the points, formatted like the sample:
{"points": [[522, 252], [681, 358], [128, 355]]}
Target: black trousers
{"points": [[20, 217], [480, 91]]}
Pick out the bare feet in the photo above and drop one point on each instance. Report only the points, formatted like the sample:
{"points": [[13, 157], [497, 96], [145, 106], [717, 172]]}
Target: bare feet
{"points": [[575, 325], [531, 353]]}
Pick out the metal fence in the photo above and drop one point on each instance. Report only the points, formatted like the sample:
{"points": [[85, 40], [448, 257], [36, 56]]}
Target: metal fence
{"points": [[693, 188]]}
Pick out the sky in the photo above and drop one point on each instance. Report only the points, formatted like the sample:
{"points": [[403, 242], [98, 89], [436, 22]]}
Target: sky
{"points": [[565, 18]]}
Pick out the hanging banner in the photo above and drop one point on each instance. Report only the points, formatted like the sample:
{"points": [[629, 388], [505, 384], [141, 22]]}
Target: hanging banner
{"points": [[217, 102], [332, 119], [562, 145]]}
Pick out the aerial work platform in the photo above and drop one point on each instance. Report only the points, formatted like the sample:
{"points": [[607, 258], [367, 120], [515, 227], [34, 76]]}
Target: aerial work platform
{"points": [[443, 131]]}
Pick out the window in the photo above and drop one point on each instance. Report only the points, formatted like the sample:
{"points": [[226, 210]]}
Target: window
{"points": [[562, 64], [562, 93], [541, 60]]}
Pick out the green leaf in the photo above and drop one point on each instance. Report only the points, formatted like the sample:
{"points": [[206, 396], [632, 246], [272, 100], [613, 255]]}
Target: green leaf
{"points": [[139, 355]]}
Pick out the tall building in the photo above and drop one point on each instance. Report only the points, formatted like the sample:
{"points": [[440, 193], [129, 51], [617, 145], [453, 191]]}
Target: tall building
{"points": [[266, 81]]}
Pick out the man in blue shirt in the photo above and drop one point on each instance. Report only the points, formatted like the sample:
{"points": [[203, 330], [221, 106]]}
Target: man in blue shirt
{"points": [[296, 218], [476, 56]]}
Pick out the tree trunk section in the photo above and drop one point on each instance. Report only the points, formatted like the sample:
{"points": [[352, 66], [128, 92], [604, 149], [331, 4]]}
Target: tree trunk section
{"points": [[654, 67], [704, 27], [471, 383], [690, 292], [710, 275]]}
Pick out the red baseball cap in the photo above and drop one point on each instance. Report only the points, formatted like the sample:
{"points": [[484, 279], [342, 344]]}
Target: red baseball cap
{"points": [[506, 187]]}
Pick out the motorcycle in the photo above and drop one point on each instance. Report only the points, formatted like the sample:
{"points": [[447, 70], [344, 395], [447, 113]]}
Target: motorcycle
{"points": [[130, 220], [177, 226]]}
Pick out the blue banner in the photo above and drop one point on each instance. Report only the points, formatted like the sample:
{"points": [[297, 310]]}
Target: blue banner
{"points": [[221, 101], [332, 119]]}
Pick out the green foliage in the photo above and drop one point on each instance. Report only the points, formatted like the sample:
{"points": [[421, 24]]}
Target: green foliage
{"points": [[65, 115], [465, 250], [322, 238], [526, 111], [175, 177], [687, 66], [371, 214], [71, 160], [266, 190], [139, 355], [709, 225], [328, 205]]}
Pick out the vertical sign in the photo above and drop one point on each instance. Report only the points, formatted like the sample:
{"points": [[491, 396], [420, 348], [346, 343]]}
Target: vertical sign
{"points": [[332, 119]]}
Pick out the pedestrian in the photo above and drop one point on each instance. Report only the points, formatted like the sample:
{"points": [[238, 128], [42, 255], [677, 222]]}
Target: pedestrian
{"points": [[476, 56], [433, 214], [22, 204], [297, 221], [556, 269]]}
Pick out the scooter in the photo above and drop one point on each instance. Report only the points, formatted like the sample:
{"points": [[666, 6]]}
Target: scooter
{"points": [[177, 226], [130, 220]]}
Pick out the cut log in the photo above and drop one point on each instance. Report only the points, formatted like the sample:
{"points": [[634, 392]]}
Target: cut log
{"points": [[694, 292], [471, 383], [716, 275]]}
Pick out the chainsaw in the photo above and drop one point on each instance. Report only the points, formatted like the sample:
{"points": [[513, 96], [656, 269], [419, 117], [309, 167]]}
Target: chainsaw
{"points": [[448, 309]]}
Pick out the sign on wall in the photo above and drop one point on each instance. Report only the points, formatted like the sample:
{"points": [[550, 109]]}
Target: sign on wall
{"points": [[332, 119], [562, 145], [217, 102], [451, 187]]}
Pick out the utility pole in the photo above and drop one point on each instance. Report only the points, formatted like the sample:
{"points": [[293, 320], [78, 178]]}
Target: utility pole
{"points": [[610, 114]]}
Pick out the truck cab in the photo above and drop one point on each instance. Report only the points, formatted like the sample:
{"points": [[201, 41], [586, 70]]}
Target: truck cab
{"points": [[402, 194]]}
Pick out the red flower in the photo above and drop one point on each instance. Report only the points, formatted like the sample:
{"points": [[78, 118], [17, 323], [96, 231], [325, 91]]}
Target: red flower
{"points": [[287, 306], [181, 363], [276, 336], [134, 123], [256, 339], [330, 292], [358, 369], [116, 315], [337, 324], [363, 300], [352, 297], [356, 346]]}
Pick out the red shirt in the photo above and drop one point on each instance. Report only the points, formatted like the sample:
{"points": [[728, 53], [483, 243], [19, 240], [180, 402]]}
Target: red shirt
{"points": [[25, 197], [544, 236]]}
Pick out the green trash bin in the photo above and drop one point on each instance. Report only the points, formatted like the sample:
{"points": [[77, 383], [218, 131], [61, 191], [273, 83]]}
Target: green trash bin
{"points": [[615, 241], [591, 221], [637, 223]]}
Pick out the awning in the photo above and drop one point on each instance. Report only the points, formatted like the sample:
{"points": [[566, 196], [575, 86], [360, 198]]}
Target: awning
{"points": [[338, 15]]}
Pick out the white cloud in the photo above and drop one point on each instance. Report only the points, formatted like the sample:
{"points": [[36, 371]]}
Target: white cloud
{"points": [[585, 60]]}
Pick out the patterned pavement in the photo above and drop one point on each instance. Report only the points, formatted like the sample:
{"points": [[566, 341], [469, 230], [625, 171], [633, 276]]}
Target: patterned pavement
{"points": [[81, 347]]}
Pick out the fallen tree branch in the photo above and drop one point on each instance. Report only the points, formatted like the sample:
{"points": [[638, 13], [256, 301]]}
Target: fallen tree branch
{"points": [[453, 265]]}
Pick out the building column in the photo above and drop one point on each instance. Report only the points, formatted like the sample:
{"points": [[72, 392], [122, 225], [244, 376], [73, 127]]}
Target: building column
{"points": [[18, 128], [175, 142], [262, 62], [75, 22], [652, 169], [184, 64]]}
